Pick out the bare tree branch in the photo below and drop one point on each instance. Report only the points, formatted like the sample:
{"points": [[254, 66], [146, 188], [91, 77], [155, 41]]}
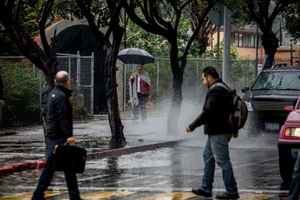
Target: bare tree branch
{"points": [[86, 11], [145, 24], [23, 39], [278, 8], [201, 19], [46, 10], [10, 4], [185, 4], [154, 9]]}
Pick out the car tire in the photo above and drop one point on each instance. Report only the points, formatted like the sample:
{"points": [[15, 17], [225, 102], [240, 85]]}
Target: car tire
{"points": [[286, 165]]}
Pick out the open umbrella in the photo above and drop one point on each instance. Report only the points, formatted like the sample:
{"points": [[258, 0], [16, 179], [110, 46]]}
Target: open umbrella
{"points": [[135, 56]]}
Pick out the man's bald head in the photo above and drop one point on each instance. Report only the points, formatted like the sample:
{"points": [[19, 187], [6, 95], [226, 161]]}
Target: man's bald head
{"points": [[61, 78]]}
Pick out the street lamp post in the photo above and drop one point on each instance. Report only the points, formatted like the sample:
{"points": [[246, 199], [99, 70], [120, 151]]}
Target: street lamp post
{"points": [[226, 54]]}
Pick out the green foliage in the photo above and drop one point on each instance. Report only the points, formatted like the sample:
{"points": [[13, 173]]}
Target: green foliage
{"points": [[7, 46], [212, 53], [137, 37], [21, 93], [156, 45]]}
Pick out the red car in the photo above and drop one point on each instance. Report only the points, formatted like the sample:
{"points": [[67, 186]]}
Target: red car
{"points": [[290, 130]]}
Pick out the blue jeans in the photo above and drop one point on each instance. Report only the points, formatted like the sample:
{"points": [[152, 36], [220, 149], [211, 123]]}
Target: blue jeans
{"points": [[48, 172], [217, 151]]}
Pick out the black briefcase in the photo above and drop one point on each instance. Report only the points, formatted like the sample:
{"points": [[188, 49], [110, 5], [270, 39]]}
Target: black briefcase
{"points": [[70, 158]]}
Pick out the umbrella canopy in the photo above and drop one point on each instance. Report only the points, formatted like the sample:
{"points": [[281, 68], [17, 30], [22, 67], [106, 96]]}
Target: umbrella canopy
{"points": [[135, 56]]}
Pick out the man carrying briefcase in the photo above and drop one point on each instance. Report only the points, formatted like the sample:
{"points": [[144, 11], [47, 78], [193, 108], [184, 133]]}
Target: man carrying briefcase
{"points": [[59, 125]]}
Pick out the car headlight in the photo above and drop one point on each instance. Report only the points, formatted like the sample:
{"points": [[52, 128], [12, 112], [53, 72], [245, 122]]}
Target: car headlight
{"points": [[294, 132]]}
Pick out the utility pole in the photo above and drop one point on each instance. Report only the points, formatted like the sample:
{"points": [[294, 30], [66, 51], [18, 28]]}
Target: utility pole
{"points": [[226, 55], [256, 50], [124, 65], [291, 53]]}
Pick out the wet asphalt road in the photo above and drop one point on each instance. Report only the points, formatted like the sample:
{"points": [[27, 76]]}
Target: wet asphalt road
{"points": [[167, 173]]}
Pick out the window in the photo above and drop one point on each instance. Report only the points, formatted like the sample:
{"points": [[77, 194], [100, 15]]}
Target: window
{"points": [[278, 80]]}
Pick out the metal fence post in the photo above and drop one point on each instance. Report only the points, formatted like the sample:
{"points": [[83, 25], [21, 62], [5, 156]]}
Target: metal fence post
{"points": [[69, 65], [197, 67], [157, 77], [78, 69], [92, 82], [124, 86]]}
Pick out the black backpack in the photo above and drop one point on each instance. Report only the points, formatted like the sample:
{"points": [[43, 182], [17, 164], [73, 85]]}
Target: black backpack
{"points": [[239, 112]]}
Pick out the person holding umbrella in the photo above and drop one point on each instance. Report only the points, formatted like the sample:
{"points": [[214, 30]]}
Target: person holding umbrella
{"points": [[139, 91], [139, 81]]}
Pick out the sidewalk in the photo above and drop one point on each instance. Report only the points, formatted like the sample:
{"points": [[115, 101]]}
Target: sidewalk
{"points": [[23, 148]]}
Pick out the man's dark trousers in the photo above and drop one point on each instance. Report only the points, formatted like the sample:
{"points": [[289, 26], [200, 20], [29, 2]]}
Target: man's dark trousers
{"points": [[48, 172], [140, 109]]}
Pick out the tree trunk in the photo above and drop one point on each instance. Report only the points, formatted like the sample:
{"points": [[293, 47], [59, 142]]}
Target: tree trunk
{"points": [[1, 88], [117, 135], [177, 67], [270, 44]]}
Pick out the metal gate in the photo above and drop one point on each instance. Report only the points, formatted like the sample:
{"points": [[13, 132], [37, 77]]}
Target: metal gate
{"points": [[81, 70]]}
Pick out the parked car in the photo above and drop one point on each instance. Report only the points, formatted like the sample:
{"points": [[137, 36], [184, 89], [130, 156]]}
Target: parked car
{"points": [[273, 90], [289, 139], [290, 131]]}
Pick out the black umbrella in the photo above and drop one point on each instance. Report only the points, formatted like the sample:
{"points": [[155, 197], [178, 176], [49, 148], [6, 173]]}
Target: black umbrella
{"points": [[135, 56]]}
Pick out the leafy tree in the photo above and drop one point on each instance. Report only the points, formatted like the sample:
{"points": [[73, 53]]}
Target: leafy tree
{"points": [[206, 29], [104, 18], [139, 38], [21, 94], [264, 13], [12, 13], [164, 18]]}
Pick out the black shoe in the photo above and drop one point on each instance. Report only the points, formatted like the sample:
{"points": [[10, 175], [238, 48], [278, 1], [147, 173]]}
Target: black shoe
{"points": [[227, 195], [199, 192], [38, 198]]}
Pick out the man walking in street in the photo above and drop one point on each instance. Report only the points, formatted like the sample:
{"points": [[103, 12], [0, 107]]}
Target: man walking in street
{"points": [[59, 125], [215, 118]]}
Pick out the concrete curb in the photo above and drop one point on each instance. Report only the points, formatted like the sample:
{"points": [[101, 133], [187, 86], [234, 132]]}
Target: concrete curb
{"points": [[38, 164]]}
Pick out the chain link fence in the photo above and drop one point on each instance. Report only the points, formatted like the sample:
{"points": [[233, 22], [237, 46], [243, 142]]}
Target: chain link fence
{"points": [[243, 74], [81, 70]]}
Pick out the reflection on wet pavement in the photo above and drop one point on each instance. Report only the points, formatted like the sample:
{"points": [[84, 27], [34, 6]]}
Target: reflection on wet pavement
{"points": [[151, 175], [126, 195]]}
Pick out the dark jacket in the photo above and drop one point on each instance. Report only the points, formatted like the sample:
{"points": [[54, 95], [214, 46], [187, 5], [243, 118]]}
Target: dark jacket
{"points": [[216, 109], [59, 118], [44, 100]]}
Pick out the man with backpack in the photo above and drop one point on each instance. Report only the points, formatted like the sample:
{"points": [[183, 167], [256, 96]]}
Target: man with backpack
{"points": [[216, 118]]}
